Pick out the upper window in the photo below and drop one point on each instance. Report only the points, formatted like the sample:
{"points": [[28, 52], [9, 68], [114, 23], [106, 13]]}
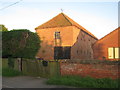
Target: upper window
{"points": [[77, 51], [57, 35], [113, 53]]}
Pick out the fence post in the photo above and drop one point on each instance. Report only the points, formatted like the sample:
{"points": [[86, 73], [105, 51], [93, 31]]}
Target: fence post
{"points": [[20, 64]]}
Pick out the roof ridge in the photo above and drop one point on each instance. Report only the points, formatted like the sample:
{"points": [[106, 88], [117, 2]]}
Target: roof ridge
{"points": [[62, 20], [74, 23], [67, 18]]}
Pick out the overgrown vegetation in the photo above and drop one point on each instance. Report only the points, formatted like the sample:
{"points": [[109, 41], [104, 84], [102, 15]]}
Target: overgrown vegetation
{"points": [[20, 43], [84, 82], [9, 72]]}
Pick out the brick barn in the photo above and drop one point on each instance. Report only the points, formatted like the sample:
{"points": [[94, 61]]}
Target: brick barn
{"points": [[108, 47], [63, 38]]}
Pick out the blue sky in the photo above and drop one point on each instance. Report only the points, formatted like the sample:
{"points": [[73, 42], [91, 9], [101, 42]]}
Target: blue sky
{"points": [[99, 18]]}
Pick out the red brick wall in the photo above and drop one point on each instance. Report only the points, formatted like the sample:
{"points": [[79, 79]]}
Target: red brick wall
{"points": [[94, 70], [82, 48], [48, 42], [100, 48], [70, 36]]}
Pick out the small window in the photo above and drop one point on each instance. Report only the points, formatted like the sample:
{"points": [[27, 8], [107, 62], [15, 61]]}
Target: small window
{"points": [[57, 42], [117, 53], [77, 51], [57, 35], [110, 53], [113, 53]]}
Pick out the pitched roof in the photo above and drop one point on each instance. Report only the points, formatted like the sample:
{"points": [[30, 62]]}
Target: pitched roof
{"points": [[117, 31], [62, 20]]}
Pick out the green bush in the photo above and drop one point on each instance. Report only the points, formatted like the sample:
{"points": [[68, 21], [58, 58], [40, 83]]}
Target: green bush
{"points": [[9, 72], [84, 82], [20, 43]]}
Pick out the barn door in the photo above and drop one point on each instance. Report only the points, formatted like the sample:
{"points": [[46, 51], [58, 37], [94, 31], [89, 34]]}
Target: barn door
{"points": [[66, 52], [62, 52], [58, 53]]}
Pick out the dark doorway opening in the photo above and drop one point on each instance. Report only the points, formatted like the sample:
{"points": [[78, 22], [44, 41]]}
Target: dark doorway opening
{"points": [[62, 52]]}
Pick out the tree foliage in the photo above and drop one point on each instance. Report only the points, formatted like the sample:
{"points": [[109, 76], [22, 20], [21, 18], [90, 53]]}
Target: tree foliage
{"points": [[3, 28], [20, 43]]}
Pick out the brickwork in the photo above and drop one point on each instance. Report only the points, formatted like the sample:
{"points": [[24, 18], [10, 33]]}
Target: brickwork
{"points": [[95, 70], [100, 48], [71, 35], [80, 42], [48, 41], [82, 48]]}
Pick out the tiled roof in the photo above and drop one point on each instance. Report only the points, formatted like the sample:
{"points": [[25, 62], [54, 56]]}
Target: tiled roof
{"points": [[62, 20], [117, 31]]}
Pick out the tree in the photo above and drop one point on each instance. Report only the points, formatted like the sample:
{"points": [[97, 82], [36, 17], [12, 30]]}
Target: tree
{"points": [[3, 28], [20, 44]]}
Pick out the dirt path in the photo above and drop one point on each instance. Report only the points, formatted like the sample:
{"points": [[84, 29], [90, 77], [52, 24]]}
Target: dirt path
{"points": [[27, 82]]}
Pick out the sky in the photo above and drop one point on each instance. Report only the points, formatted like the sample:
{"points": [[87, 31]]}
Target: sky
{"points": [[98, 17]]}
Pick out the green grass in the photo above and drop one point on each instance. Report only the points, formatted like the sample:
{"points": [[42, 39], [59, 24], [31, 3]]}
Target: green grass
{"points": [[83, 82], [8, 72]]}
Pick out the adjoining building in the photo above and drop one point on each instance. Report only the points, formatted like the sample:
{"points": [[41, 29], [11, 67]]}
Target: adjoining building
{"points": [[63, 38], [108, 47]]}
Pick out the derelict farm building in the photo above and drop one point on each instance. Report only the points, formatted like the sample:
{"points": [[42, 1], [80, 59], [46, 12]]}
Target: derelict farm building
{"points": [[63, 38]]}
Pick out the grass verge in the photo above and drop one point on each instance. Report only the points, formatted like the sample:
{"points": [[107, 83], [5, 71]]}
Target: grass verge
{"points": [[8, 72], [83, 82]]}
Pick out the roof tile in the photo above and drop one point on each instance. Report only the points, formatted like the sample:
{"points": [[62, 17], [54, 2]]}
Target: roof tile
{"points": [[62, 20]]}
